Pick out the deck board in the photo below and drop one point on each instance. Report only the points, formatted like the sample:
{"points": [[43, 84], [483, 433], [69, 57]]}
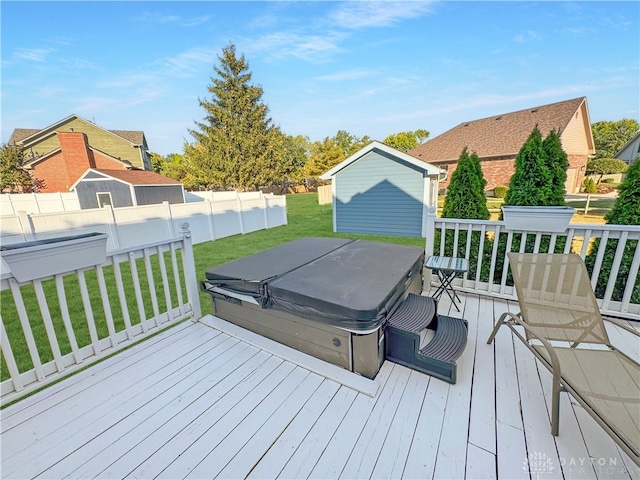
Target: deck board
{"points": [[195, 401]]}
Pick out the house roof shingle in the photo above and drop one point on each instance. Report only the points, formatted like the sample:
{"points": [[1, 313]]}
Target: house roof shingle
{"points": [[499, 135]]}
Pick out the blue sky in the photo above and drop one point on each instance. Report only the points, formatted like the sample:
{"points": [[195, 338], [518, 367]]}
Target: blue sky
{"points": [[369, 68]]}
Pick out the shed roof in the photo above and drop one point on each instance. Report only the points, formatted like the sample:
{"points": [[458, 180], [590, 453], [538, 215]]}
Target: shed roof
{"points": [[375, 145], [499, 135], [132, 177]]}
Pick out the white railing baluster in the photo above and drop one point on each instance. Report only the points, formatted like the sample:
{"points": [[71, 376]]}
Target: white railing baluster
{"points": [[494, 257], [138, 293], [483, 233], [633, 273], [26, 329], [152, 287], [165, 281], [505, 268], [552, 243], [48, 325], [9, 359], [66, 319], [88, 311], [176, 277], [585, 243], [615, 267], [117, 272], [106, 305], [599, 257]]}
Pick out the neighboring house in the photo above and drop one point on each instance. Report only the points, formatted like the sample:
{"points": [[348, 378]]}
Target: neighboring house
{"points": [[125, 188], [631, 151], [60, 153], [380, 190], [498, 139]]}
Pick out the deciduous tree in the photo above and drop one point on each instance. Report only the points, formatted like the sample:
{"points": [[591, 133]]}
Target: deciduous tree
{"points": [[605, 166], [405, 141], [13, 178], [610, 137]]}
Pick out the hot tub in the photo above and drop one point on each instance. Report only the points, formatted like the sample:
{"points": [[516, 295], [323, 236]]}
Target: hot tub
{"points": [[327, 297]]}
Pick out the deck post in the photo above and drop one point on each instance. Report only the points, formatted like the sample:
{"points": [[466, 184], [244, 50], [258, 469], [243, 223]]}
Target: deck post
{"points": [[430, 235], [190, 277]]}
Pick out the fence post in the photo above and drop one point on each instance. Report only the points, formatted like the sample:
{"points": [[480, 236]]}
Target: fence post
{"points": [[190, 275], [26, 225], [430, 234], [212, 226], [264, 211], [586, 205], [112, 226], [240, 214], [168, 215]]}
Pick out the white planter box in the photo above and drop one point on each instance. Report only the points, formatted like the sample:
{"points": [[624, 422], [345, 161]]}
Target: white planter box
{"points": [[43, 258], [537, 219]]}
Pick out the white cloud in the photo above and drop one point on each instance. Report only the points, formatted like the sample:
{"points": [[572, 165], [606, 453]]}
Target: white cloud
{"points": [[527, 36], [355, 15], [33, 54], [346, 75], [312, 48], [165, 19]]}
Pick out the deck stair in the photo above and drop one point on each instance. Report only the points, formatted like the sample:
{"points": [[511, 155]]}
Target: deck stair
{"points": [[403, 337]]}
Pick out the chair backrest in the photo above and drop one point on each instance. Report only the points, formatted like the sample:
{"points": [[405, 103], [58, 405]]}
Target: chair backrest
{"points": [[556, 297]]}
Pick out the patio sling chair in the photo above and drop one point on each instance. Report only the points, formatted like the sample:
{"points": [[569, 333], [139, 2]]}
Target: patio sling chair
{"points": [[565, 331]]}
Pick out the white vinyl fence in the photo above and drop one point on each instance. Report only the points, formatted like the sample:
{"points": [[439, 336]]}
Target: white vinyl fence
{"points": [[211, 215]]}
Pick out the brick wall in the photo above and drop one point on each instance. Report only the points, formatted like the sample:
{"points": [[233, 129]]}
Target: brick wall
{"points": [[61, 170], [498, 172]]}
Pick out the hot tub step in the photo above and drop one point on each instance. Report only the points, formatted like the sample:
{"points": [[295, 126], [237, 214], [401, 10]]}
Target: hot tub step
{"points": [[438, 357]]}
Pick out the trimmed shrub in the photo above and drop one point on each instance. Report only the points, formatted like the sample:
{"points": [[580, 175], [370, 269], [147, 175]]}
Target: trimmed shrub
{"points": [[531, 184], [557, 163], [609, 180], [466, 199], [500, 191], [625, 211], [589, 186]]}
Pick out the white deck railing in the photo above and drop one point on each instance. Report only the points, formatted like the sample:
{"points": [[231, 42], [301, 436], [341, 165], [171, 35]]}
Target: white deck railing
{"points": [[613, 267], [67, 321]]}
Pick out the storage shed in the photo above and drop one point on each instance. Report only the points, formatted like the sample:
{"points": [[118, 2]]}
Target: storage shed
{"points": [[125, 188], [382, 191]]}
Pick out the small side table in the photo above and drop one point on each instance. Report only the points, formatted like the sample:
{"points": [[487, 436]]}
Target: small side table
{"points": [[447, 268]]}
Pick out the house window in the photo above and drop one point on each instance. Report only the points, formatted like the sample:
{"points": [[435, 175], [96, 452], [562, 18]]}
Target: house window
{"points": [[104, 198]]}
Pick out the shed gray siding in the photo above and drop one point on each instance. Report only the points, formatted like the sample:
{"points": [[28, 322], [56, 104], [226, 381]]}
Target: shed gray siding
{"points": [[379, 194], [120, 193], [148, 195]]}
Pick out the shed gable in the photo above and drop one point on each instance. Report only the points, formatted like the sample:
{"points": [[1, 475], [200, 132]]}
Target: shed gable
{"points": [[379, 194]]}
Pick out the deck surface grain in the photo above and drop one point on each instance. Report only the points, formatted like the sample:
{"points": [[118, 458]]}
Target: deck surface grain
{"points": [[196, 402]]}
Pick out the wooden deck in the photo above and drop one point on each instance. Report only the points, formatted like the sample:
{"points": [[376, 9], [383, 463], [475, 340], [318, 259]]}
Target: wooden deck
{"points": [[196, 402]]}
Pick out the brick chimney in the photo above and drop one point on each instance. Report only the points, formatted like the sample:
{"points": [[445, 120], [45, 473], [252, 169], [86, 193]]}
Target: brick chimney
{"points": [[76, 154]]}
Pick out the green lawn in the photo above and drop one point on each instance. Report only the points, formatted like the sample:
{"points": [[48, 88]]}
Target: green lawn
{"points": [[305, 219]]}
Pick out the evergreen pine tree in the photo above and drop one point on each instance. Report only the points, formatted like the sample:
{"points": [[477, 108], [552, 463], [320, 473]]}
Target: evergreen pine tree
{"points": [[557, 163], [531, 182], [236, 144]]}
